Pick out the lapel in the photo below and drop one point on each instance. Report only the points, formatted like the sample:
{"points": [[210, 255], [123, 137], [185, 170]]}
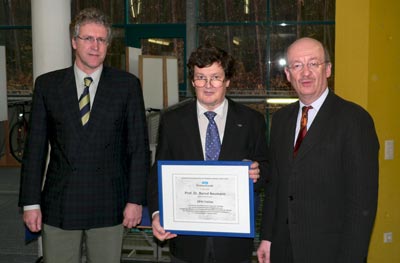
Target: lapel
{"points": [[190, 125], [289, 134], [100, 104], [318, 128], [233, 127], [70, 103]]}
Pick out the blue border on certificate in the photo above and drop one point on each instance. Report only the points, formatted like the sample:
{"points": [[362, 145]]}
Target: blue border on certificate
{"points": [[249, 234]]}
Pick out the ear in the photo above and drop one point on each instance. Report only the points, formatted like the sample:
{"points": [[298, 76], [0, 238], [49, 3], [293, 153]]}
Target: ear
{"points": [[287, 72], [73, 43], [227, 82], [328, 69]]}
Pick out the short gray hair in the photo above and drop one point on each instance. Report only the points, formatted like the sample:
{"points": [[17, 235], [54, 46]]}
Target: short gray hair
{"points": [[90, 15]]}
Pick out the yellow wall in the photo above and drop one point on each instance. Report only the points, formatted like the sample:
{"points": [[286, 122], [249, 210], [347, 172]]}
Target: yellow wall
{"points": [[367, 71]]}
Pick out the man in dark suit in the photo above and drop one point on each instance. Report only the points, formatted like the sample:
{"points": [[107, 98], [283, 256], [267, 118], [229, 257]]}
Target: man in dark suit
{"points": [[96, 177], [321, 201], [182, 136]]}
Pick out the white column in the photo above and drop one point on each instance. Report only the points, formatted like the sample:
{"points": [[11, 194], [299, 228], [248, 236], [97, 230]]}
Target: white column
{"points": [[51, 44]]}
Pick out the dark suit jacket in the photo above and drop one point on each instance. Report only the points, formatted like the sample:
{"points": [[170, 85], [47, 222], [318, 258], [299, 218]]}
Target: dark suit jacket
{"points": [[179, 139], [325, 199], [93, 170]]}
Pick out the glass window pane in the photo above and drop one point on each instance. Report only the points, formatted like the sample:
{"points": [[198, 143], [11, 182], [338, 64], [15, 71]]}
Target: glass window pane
{"points": [[116, 51], [156, 11], [166, 47], [281, 37], [113, 8], [232, 10], [247, 44], [18, 45], [15, 13], [309, 10]]}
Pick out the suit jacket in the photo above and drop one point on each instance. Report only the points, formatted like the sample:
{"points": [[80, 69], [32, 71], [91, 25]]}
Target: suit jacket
{"points": [[93, 170], [322, 203], [179, 139]]}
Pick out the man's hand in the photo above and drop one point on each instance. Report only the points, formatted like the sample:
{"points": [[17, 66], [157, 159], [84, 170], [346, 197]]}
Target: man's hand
{"points": [[132, 215], [158, 231], [263, 252], [33, 220], [254, 171]]}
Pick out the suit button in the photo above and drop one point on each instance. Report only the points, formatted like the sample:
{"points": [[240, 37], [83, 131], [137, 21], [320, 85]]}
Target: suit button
{"points": [[290, 198]]}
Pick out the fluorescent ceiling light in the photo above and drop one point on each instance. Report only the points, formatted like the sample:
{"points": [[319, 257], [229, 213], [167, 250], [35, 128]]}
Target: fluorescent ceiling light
{"points": [[281, 100], [246, 7], [236, 41], [159, 41]]}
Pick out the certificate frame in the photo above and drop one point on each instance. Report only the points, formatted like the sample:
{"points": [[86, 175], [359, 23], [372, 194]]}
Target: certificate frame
{"points": [[206, 198]]}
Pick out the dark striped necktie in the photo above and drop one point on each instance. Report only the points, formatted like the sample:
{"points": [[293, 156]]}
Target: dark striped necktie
{"points": [[84, 101], [303, 129]]}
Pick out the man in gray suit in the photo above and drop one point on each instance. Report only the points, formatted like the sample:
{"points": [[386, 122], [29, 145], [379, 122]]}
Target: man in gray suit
{"points": [[321, 201], [99, 157], [242, 132]]}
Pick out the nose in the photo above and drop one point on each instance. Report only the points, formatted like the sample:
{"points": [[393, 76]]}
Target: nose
{"points": [[306, 70], [208, 84], [95, 44]]}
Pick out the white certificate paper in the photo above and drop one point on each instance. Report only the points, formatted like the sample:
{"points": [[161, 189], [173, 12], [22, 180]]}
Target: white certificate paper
{"points": [[213, 198]]}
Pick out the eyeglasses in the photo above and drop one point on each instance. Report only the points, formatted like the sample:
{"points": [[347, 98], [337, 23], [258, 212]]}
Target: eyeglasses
{"points": [[91, 40], [202, 81], [299, 66]]}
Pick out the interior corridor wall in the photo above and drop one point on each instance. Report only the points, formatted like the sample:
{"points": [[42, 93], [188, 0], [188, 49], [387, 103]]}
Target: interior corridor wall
{"points": [[366, 72]]}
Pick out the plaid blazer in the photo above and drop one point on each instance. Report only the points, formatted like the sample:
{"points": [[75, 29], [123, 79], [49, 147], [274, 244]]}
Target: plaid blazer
{"points": [[93, 170]]}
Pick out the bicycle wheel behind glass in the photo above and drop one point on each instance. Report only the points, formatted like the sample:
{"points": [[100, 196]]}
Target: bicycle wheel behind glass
{"points": [[17, 138]]}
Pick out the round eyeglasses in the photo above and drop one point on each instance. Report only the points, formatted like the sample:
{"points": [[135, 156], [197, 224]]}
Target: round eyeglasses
{"points": [[215, 81], [91, 40], [299, 66]]}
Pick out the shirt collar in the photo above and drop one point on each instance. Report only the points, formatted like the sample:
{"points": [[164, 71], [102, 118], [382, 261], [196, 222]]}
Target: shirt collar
{"points": [[220, 110], [318, 103], [80, 75]]}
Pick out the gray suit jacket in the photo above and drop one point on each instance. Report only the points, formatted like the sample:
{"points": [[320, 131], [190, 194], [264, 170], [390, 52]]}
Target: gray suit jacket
{"points": [[322, 203], [94, 170]]}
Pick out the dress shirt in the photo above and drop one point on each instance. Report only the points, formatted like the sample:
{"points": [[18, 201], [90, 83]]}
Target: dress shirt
{"points": [[220, 120], [80, 75], [312, 113]]}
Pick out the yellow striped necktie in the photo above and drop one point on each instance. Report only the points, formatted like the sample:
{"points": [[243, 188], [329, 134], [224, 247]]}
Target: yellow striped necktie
{"points": [[84, 101]]}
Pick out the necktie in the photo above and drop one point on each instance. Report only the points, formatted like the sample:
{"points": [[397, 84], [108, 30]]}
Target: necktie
{"points": [[213, 143], [303, 129], [84, 101]]}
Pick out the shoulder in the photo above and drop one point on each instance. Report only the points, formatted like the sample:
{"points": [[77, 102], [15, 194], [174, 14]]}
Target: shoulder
{"points": [[348, 109], [181, 109], [118, 75], [242, 110], [286, 111], [56, 74], [47, 81]]}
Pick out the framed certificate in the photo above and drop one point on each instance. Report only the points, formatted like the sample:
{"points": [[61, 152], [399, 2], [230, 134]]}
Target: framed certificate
{"points": [[210, 198]]}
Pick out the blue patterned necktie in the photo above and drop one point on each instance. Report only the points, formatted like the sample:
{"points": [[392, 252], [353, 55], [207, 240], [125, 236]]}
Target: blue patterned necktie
{"points": [[84, 101], [213, 143]]}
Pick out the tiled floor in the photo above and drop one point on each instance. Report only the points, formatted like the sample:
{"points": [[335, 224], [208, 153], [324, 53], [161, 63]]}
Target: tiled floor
{"points": [[12, 235], [139, 245]]}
